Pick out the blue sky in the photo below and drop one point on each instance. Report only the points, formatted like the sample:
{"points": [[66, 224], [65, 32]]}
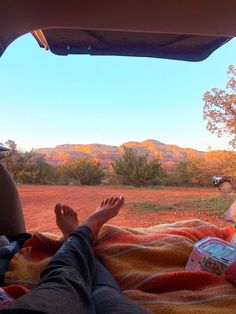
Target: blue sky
{"points": [[48, 100]]}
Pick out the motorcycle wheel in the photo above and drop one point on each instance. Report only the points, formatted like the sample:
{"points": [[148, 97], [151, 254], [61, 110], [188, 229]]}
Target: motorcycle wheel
{"points": [[226, 187]]}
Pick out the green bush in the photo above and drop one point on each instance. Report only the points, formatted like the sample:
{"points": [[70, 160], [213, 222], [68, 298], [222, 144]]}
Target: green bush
{"points": [[81, 171], [179, 176], [28, 167], [136, 170]]}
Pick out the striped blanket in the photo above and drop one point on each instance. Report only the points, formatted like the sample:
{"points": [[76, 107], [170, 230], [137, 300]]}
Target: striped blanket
{"points": [[148, 264]]}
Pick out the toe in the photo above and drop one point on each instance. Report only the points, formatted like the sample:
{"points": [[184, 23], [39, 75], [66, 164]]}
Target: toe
{"points": [[68, 209], [65, 210], [114, 201], [111, 199], [75, 215], [106, 201], [71, 211], [58, 209], [120, 201]]}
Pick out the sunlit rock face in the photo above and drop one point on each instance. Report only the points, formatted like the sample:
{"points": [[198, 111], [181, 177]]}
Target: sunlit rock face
{"points": [[169, 155]]}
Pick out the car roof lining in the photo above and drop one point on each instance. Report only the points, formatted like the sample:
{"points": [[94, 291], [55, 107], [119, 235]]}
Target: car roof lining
{"points": [[126, 27]]}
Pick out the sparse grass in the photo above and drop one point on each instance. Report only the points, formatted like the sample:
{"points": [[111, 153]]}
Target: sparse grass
{"points": [[148, 187], [153, 187], [215, 206], [142, 207]]}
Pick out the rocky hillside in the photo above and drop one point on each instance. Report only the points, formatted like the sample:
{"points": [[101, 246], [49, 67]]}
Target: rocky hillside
{"points": [[169, 155]]}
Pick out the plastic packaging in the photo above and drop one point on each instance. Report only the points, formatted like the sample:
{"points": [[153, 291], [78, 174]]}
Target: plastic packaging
{"points": [[5, 298], [211, 254], [3, 240]]}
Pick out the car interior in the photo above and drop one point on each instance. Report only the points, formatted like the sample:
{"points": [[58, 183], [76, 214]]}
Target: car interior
{"points": [[149, 264]]}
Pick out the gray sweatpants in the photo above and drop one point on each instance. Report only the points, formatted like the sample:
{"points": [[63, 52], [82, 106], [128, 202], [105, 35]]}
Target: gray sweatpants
{"points": [[75, 282]]}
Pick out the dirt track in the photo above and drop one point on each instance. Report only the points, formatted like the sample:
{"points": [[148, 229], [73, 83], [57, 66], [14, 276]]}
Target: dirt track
{"points": [[38, 203]]}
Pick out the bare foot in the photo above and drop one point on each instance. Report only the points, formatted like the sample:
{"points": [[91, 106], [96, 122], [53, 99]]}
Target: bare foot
{"points": [[66, 219], [109, 208]]}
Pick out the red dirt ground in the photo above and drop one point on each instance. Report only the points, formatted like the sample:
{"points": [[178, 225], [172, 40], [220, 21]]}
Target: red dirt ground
{"points": [[38, 203]]}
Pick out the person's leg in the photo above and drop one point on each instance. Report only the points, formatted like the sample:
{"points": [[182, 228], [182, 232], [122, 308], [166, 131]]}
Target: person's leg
{"points": [[103, 277], [12, 219], [66, 283], [107, 296]]}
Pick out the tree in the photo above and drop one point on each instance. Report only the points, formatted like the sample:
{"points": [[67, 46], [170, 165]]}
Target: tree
{"points": [[220, 108], [11, 160], [32, 168], [28, 167], [82, 171], [137, 170]]}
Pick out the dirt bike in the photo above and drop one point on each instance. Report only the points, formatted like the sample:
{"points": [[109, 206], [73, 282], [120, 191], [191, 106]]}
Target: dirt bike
{"points": [[224, 183]]}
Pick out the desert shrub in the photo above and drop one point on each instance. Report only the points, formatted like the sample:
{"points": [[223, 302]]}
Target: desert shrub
{"points": [[201, 169], [198, 171], [111, 178], [81, 171], [179, 176], [136, 170], [28, 167]]}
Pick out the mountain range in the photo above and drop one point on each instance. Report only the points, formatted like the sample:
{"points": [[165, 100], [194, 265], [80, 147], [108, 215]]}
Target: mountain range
{"points": [[169, 155]]}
